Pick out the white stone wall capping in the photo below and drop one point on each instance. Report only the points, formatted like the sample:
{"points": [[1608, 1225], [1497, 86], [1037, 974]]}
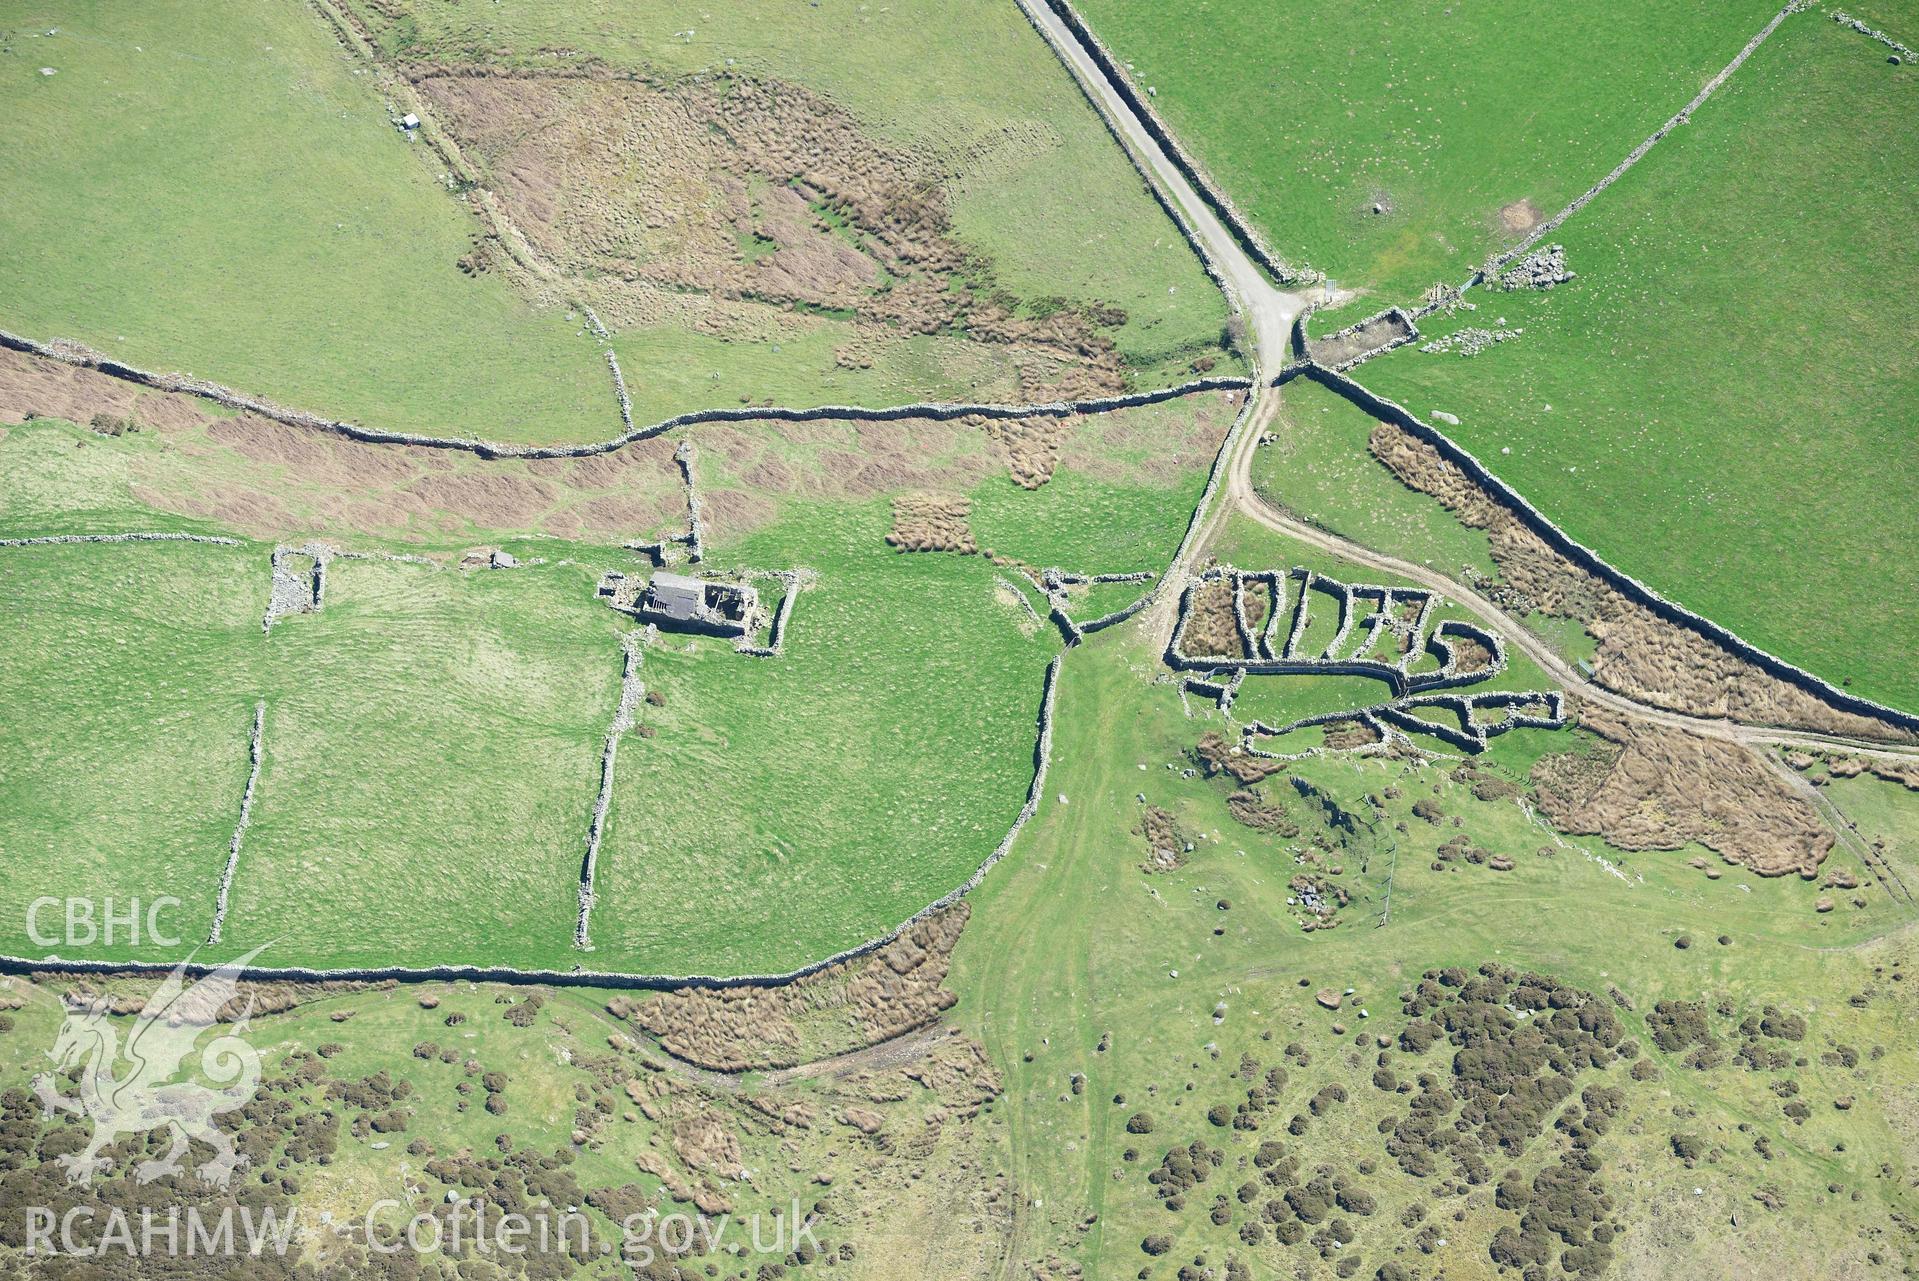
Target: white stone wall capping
{"points": [[1448, 654]]}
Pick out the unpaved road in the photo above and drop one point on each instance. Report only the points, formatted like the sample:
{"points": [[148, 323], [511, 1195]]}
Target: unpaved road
{"points": [[1269, 311], [1239, 493]]}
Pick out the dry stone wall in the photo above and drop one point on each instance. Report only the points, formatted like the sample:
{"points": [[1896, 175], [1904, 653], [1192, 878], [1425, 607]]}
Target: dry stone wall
{"points": [[1221, 205], [631, 692], [1257, 659], [619, 390], [255, 747], [75, 354], [297, 588], [1683, 116], [51, 540], [1358, 343], [1490, 489], [581, 977], [796, 581], [685, 456]]}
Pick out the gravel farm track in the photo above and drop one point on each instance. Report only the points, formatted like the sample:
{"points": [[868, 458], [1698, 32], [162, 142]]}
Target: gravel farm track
{"points": [[1271, 315]]}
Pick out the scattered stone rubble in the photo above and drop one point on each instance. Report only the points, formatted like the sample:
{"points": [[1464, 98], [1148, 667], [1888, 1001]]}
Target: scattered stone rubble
{"points": [[299, 581], [1442, 297], [1899, 51], [1469, 341], [1541, 269]]}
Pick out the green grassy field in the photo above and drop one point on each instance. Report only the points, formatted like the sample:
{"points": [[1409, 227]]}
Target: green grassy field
{"points": [[1101, 991], [788, 808], [432, 754], [1155, 995], [1442, 114], [1317, 468], [433, 736], [126, 749], [968, 81], [286, 240], [289, 241], [1716, 404], [433, 746]]}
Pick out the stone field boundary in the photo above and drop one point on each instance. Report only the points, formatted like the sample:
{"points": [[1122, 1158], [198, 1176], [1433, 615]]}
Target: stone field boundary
{"points": [[581, 977], [1560, 541], [73, 353], [1248, 238], [1680, 117]]}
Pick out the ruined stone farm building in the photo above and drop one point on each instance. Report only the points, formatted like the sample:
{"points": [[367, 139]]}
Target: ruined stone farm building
{"points": [[678, 603]]}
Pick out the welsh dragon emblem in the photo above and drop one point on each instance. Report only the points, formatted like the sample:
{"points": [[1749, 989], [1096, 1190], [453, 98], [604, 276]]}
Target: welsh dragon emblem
{"points": [[139, 1086]]}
